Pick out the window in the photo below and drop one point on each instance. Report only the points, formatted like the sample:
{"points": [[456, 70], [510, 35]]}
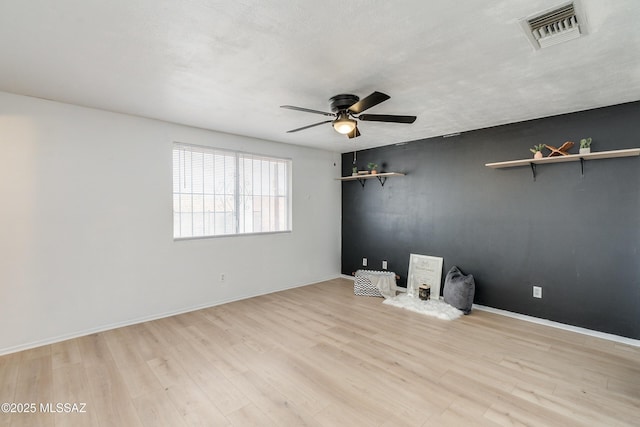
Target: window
{"points": [[219, 192]]}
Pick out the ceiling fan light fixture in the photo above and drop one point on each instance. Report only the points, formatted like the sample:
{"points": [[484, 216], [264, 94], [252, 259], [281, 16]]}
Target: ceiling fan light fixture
{"points": [[346, 112], [343, 124]]}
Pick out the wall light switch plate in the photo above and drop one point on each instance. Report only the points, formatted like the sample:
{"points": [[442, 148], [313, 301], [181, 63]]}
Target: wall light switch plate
{"points": [[384, 265]]}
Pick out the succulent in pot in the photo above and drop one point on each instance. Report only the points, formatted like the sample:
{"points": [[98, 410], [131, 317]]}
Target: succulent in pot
{"points": [[537, 151]]}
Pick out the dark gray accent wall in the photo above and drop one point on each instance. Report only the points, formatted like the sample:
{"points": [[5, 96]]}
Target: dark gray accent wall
{"points": [[576, 237]]}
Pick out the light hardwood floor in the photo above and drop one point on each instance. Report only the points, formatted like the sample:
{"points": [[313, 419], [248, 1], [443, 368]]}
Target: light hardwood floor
{"points": [[320, 356]]}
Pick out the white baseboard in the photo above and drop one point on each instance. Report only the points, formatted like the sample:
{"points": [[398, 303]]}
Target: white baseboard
{"points": [[584, 331], [108, 327], [77, 334]]}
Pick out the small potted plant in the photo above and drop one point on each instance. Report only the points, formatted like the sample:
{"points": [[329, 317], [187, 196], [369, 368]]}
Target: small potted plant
{"points": [[373, 167], [354, 171], [537, 151], [585, 146]]}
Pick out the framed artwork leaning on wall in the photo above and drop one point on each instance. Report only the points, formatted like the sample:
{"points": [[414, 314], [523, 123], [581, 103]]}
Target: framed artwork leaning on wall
{"points": [[424, 270]]}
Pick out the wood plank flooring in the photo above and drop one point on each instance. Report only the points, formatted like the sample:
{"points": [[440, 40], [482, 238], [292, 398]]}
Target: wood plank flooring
{"points": [[320, 356]]}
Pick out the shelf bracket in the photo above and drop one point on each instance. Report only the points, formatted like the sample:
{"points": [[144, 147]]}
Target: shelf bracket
{"points": [[581, 167], [362, 182], [533, 170], [382, 180]]}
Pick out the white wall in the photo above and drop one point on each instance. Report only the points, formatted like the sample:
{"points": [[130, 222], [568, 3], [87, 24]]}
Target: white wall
{"points": [[86, 240]]}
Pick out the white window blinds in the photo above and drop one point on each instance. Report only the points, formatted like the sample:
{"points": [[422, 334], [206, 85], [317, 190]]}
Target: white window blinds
{"points": [[219, 192]]}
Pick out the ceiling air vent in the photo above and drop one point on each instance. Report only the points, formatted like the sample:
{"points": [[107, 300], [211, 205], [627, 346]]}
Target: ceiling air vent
{"points": [[554, 26]]}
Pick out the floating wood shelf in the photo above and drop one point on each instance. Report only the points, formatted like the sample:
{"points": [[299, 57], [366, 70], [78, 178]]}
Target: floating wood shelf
{"points": [[362, 179], [562, 159]]}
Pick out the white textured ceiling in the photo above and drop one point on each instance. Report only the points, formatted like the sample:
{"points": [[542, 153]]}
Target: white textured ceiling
{"points": [[228, 66]]}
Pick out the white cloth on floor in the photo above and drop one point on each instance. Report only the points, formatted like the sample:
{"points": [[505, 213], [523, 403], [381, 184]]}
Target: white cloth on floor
{"points": [[433, 307]]}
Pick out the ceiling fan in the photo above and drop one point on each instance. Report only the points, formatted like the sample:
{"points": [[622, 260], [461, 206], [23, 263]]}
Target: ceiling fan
{"points": [[344, 108]]}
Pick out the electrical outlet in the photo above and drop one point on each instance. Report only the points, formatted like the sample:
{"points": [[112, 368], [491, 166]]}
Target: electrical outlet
{"points": [[384, 265], [537, 292], [364, 262], [222, 277]]}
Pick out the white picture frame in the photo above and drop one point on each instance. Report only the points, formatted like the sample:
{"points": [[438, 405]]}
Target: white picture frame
{"points": [[424, 270]]}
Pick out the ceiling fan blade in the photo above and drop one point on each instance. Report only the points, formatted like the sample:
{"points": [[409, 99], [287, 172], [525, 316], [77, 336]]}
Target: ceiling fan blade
{"points": [[309, 126], [372, 100], [386, 118], [307, 110], [354, 133]]}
